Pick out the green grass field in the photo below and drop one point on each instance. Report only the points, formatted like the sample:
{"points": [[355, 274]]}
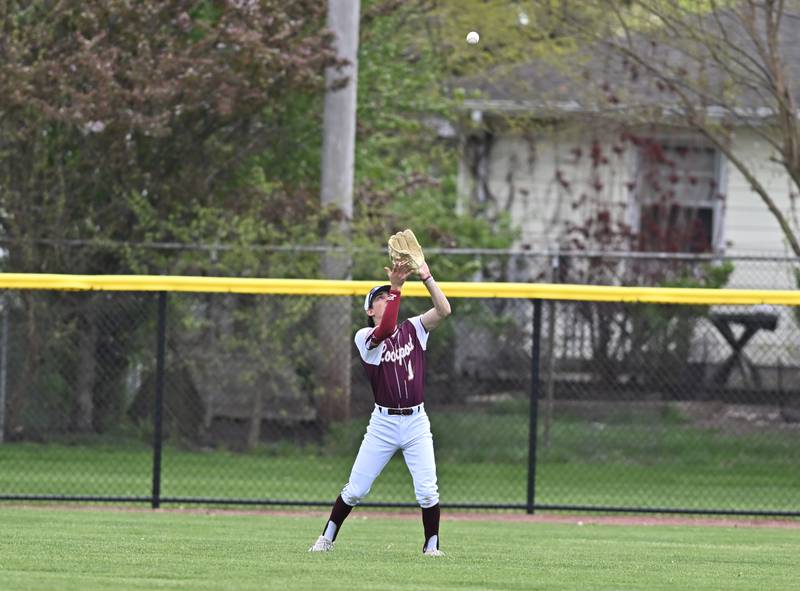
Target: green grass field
{"points": [[482, 458], [87, 549]]}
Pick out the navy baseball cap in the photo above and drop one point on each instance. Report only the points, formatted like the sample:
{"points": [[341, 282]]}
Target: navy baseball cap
{"points": [[373, 293]]}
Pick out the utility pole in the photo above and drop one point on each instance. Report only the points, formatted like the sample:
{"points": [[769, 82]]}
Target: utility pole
{"points": [[338, 162]]}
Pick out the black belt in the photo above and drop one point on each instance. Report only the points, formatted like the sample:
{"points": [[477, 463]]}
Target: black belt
{"points": [[400, 411]]}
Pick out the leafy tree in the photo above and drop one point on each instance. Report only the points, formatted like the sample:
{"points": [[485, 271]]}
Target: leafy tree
{"points": [[511, 32], [405, 165], [129, 122], [198, 121]]}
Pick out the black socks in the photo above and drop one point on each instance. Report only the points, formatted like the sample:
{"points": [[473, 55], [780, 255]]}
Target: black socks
{"points": [[339, 513], [430, 522]]}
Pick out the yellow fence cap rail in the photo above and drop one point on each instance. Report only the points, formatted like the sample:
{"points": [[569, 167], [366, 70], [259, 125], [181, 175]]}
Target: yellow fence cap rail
{"points": [[323, 287]]}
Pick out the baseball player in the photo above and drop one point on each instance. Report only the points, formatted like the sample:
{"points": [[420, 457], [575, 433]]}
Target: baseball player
{"points": [[393, 356]]}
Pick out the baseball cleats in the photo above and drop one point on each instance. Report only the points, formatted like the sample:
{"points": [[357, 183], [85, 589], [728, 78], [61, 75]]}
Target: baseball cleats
{"points": [[322, 544], [433, 552]]}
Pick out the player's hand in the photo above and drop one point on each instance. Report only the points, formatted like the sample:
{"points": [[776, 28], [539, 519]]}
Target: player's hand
{"points": [[398, 274]]}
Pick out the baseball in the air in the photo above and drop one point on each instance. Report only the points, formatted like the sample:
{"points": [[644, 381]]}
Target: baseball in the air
{"points": [[473, 37]]}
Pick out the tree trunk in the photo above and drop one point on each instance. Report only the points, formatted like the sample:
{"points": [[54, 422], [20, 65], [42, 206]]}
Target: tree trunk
{"points": [[254, 429], [30, 366], [87, 366], [334, 324]]}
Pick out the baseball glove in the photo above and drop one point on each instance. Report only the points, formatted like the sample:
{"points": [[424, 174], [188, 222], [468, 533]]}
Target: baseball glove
{"points": [[404, 247]]}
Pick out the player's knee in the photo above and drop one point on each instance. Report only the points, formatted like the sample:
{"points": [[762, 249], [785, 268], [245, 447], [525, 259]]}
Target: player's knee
{"points": [[427, 496], [351, 499], [352, 493]]}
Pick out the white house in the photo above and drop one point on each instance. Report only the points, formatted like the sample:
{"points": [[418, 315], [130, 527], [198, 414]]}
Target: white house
{"points": [[539, 145], [536, 176]]}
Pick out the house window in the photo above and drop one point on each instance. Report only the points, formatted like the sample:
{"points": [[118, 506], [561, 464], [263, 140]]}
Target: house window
{"points": [[677, 196]]}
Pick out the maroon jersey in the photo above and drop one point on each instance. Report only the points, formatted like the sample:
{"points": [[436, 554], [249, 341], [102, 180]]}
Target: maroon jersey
{"points": [[396, 367]]}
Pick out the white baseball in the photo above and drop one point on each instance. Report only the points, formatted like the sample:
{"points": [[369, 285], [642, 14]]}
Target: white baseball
{"points": [[473, 37]]}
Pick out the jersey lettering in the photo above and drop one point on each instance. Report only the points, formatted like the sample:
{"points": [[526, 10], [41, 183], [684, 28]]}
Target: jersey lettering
{"points": [[398, 355], [396, 367]]}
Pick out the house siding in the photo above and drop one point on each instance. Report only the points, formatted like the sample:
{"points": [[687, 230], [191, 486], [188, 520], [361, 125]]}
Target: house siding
{"points": [[750, 226], [522, 178], [521, 175]]}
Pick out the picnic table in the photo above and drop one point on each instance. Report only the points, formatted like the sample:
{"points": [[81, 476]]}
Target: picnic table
{"points": [[752, 323]]}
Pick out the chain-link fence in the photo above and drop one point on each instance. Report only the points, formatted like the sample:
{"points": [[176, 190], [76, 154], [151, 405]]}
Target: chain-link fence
{"points": [[740, 270], [260, 399]]}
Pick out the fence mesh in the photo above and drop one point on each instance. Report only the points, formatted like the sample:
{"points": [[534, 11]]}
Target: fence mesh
{"points": [[744, 270], [640, 406]]}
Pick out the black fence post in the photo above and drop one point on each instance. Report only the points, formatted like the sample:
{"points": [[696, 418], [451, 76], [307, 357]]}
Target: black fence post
{"points": [[158, 409], [536, 349]]}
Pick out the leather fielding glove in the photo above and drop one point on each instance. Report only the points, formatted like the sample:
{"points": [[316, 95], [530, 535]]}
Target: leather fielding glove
{"points": [[404, 248]]}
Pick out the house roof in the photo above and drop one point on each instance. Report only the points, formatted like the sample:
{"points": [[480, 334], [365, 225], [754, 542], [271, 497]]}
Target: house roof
{"points": [[602, 78]]}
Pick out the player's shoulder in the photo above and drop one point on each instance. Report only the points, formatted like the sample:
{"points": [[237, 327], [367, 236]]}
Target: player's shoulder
{"points": [[362, 334], [412, 326], [415, 321]]}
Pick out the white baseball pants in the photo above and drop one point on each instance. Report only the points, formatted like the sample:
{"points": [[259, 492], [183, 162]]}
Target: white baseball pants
{"points": [[385, 435]]}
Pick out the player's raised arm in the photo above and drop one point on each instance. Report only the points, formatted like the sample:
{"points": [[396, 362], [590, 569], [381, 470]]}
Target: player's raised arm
{"points": [[441, 307], [388, 306], [405, 248]]}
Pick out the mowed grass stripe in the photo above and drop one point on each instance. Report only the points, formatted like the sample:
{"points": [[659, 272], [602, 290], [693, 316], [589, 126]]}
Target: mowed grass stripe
{"points": [[725, 481], [46, 548]]}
